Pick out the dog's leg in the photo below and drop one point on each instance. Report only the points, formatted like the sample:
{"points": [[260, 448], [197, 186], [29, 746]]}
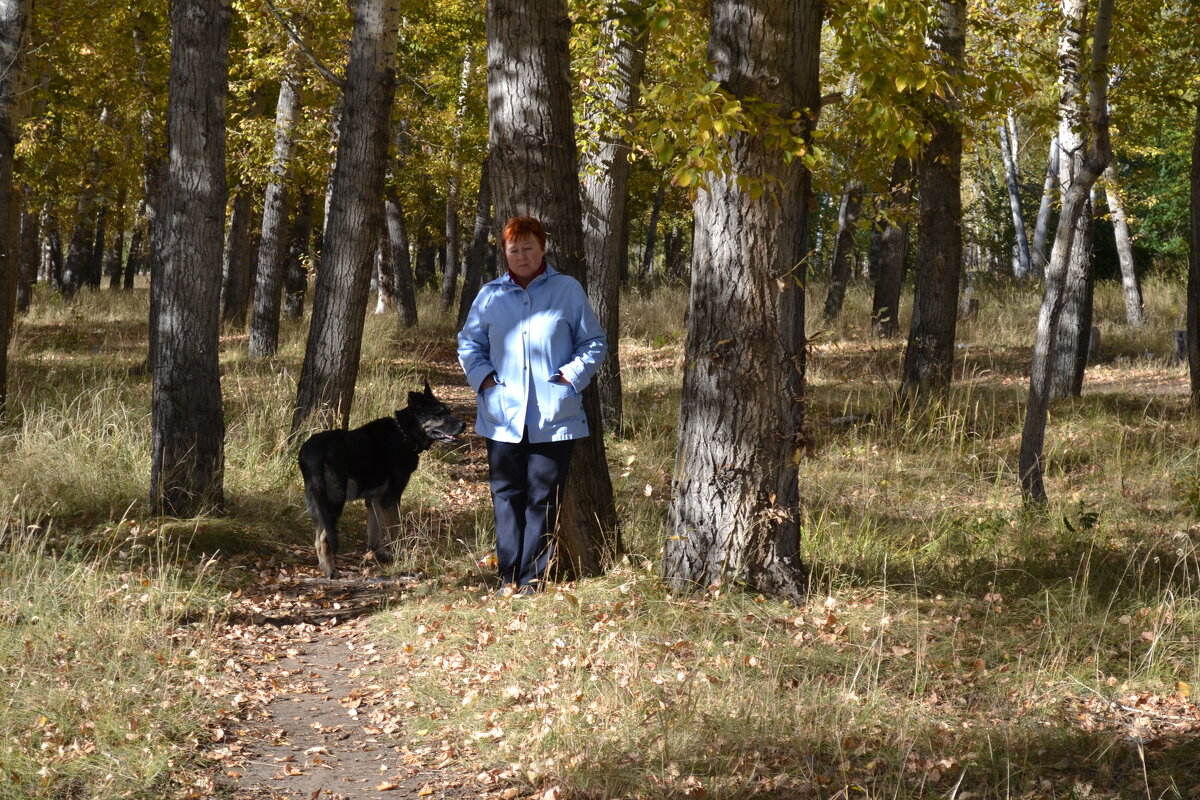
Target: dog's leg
{"points": [[325, 555], [382, 516], [324, 524]]}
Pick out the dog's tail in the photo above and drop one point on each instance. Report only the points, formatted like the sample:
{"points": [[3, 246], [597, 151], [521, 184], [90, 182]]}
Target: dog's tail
{"points": [[316, 496]]}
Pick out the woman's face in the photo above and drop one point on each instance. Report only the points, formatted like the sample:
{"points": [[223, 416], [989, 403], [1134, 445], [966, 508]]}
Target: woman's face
{"points": [[524, 256]]}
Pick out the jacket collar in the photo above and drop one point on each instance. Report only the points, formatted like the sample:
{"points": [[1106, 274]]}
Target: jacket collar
{"points": [[547, 271]]}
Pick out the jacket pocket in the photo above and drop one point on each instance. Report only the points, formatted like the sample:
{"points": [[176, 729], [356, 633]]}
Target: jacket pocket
{"points": [[491, 403], [565, 402]]}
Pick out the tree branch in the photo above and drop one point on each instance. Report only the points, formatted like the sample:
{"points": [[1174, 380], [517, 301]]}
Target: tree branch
{"points": [[320, 67]]}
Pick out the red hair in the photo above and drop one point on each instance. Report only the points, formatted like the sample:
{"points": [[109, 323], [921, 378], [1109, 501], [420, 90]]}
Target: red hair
{"points": [[520, 227]]}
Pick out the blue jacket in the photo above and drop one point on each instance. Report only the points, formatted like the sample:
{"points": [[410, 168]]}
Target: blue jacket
{"points": [[527, 336]]}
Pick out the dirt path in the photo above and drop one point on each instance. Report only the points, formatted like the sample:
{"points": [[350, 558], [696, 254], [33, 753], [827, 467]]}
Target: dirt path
{"points": [[311, 715]]}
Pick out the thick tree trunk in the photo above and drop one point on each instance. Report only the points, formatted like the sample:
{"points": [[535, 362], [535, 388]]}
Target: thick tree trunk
{"points": [[326, 390], [1008, 151], [1130, 286], [477, 255], [735, 506], [843, 248], [237, 264], [535, 171], [892, 237], [402, 272], [14, 32], [295, 271], [929, 356], [1038, 257], [272, 247], [1193, 281], [1076, 196], [605, 192], [188, 443]]}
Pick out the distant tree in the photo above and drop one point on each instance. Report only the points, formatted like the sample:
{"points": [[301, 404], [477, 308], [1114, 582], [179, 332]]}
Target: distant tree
{"points": [[735, 504], [892, 236], [1095, 151], [188, 445], [326, 390], [14, 38], [476, 261], [1012, 182], [535, 170], [842, 262], [929, 355], [1130, 286], [621, 63], [238, 263]]}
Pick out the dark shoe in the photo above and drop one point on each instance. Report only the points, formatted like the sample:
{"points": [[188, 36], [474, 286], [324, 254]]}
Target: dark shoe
{"points": [[527, 590]]}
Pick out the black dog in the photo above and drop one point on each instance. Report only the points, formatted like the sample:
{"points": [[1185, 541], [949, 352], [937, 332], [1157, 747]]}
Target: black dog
{"points": [[371, 463]]}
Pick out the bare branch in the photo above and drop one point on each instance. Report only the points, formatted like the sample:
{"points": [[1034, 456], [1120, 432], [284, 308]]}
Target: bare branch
{"points": [[320, 67]]}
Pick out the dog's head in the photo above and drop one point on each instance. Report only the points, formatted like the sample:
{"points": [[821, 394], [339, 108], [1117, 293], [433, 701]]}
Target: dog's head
{"points": [[435, 420]]}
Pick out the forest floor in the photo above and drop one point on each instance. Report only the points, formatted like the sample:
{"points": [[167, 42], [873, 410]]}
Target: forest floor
{"points": [[311, 721], [313, 709]]}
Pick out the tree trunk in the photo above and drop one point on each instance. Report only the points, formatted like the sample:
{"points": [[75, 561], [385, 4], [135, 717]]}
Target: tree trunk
{"points": [[426, 266], [1129, 280], [843, 248], [651, 234], [535, 171], [1008, 151], [477, 255], [605, 192], [114, 252], [272, 248], [1041, 229], [1076, 197], [31, 235], [892, 236], [237, 263], [929, 356], [295, 272], [188, 443], [79, 256], [95, 268], [385, 282], [735, 506], [453, 259], [406, 290], [14, 32], [1193, 281], [326, 390]]}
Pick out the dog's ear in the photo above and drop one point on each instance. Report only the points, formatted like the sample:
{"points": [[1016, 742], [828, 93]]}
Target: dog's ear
{"points": [[415, 399], [428, 391]]}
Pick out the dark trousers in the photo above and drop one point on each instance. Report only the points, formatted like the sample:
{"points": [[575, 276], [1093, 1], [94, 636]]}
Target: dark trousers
{"points": [[527, 479]]}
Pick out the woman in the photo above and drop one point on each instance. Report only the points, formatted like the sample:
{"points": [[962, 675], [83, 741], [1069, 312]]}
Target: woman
{"points": [[530, 345]]}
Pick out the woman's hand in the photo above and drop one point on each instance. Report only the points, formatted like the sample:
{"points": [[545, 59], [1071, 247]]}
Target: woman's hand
{"points": [[488, 383]]}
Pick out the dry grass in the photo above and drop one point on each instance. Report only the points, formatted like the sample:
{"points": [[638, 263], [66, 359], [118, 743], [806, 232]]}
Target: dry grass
{"points": [[952, 645]]}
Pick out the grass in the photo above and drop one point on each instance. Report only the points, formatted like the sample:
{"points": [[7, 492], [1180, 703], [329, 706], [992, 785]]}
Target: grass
{"points": [[952, 644]]}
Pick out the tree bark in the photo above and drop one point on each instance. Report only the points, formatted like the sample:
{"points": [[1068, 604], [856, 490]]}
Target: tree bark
{"points": [[385, 283], [406, 290], [237, 270], [843, 248], [1038, 258], [75, 270], [929, 356], [735, 505], [1008, 151], [187, 469], [295, 272], [652, 234], [892, 236], [14, 38], [477, 255], [605, 192], [30, 254], [1193, 281], [273, 246], [1076, 196], [1130, 286], [535, 171], [114, 251], [326, 390]]}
